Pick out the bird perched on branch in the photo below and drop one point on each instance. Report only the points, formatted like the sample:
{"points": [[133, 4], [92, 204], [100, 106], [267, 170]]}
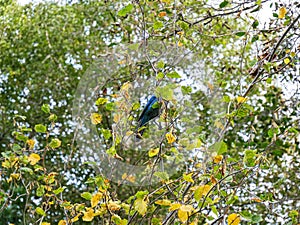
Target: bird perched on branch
{"points": [[150, 111]]}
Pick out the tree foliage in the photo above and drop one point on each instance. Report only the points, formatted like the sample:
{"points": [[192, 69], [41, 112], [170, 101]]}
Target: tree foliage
{"points": [[224, 148]]}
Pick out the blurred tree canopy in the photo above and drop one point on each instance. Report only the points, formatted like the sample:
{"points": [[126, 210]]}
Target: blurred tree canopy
{"points": [[225, 147]]}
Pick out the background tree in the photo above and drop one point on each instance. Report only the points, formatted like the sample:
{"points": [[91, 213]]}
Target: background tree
{"points": [[250, 167]]}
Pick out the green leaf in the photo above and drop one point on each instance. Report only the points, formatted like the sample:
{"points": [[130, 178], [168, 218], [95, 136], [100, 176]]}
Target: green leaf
{"points": [[16, 147], [26, 169], [136, 106], [124, 11], [86, 195], [110, 106], [46, 108], [223, 4], [249, 157], [173, 74], [160, 76], [52, 117], [272, 132], [246, 214], [255, 24], [160, 64], [59, 190], [21, 137], [40, 211], [141, 194], [254, 38], [186, 90], [40, 128], [158, 25], [106, 133], [162, 175], [256, 218], [219, 147], [226, 98], [166, 92], [240, 34], [40, 191], [55, 143]]}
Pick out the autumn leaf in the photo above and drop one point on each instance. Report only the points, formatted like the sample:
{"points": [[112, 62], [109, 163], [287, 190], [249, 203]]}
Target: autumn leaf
{"points": [[113, 206], [184, 211], [153, 152], [241, 99], [286, 60], [30, 143], [218, 158], [170, 138], [96, 118], [162, 14], [174, 206], [188, 177], [201, 191], [281, 12], [129, 177], [88, 215], [140, 205], [164, 202], [62, 222], [233, 219], [96, 198], [33, 158]]}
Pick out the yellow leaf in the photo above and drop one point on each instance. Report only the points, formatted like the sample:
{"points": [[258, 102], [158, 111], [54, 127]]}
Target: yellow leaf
{"points": [[88, 215], [117, 118], [218, 158], [241, 99], [188, 177], [30, 143], [201, 191], [46, 223], [174, 206], [293, 54], [281, 12], [129, 178], [15, 175], [33, 158], [113, 206], [62, 222], [286, 60], [96, 198], [126, 86], [179, 44], [184, 212], [233, 219], [96, 118], [76, 218], [183, 216], [128, 133], [162, 14], [170, 137], [101, 101], [153, 152], [140, 205], [218, 124], [164, 202]]}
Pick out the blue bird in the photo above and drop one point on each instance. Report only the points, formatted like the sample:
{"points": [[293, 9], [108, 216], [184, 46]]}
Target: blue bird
{"points": [[148, 114]]}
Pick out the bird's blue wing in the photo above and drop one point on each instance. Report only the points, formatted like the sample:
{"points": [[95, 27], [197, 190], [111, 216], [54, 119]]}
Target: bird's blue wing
{"points": [[152, 100]]}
